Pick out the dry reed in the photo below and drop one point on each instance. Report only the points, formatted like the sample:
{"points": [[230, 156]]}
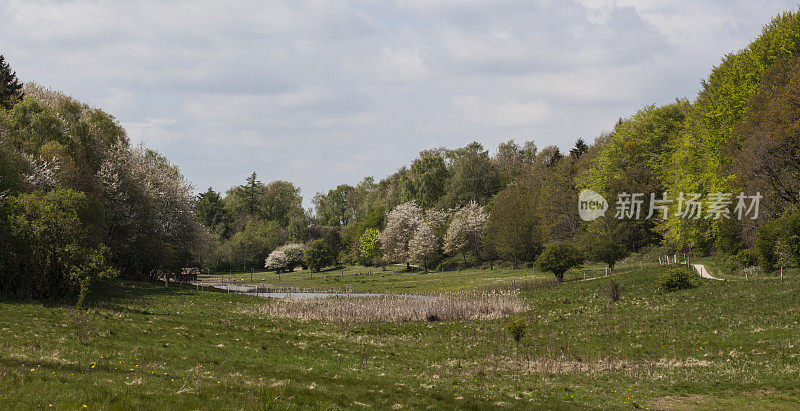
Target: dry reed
{"points": [[398, 308]]}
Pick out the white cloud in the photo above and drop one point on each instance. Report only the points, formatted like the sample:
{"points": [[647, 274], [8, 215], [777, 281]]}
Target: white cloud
{"points": [[326, 92], [501, 114]]}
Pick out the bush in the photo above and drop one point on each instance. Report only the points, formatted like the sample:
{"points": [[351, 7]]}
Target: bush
{"points": [[613, 291], [675, 278], [557, 258], [747, 257], [319, 255], [730, 263], [50, 245], [606, 249], [766, 243], [447, 265], [516, 327]]}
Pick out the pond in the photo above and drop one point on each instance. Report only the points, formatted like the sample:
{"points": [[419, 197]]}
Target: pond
{"points": [[308, 295]]}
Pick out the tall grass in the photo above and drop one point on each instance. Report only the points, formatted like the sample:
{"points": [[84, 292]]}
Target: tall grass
{"points": [[397, 308]]}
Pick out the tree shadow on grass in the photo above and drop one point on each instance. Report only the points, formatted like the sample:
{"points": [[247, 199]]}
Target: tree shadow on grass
{"points": [[108, 294]]}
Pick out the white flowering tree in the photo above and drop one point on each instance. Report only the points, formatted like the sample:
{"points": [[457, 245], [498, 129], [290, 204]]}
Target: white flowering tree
{"points": [[466, 230], [277, 260], [295, 255], [150, 212], [401, 223], [424, 245], [437, 219]]}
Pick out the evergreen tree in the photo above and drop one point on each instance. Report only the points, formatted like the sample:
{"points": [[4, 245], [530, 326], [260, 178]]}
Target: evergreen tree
{"points": [[10, 87]]}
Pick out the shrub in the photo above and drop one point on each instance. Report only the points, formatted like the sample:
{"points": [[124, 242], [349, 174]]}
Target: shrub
{"points": [[766, 242], [730, 263], [369, 247], [613, 290], [49, 245], [516, 327], [747, 257], [432, 317], [675, 278], [82, 325], [319, 255], [447, 265], [557, 258], [606, 249]]}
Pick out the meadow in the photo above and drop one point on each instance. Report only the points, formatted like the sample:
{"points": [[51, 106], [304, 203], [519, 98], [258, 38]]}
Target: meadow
{"points": [[718, 345], [395, 278]]}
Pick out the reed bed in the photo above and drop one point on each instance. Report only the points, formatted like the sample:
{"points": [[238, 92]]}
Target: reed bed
{"points": [[398, 308]]}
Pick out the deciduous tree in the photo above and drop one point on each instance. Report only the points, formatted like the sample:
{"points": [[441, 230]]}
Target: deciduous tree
{"points": [[401, 223], [466, 230], [557, 258]]}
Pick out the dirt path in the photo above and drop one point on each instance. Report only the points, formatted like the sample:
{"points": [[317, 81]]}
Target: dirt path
{"points": [[704, 273]]}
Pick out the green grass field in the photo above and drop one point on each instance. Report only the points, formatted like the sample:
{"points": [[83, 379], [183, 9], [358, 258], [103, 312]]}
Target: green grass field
{"points": [[720, 345], [394, 279]]}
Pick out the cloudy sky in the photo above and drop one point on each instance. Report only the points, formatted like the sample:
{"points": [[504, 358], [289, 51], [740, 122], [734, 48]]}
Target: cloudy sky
{"points": [[326, 92]]}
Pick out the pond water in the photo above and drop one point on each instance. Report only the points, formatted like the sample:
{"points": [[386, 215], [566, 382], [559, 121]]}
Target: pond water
{"points": [[308, 295]]}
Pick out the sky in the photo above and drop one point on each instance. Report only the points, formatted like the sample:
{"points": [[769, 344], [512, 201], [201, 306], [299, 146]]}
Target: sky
{"points": [[322, 93]]}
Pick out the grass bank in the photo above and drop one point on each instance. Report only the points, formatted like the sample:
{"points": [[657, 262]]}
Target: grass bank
{"points": [[721, 344]]}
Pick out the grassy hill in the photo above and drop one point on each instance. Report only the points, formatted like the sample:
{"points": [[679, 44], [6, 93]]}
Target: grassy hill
{"points": [[721, 344]]}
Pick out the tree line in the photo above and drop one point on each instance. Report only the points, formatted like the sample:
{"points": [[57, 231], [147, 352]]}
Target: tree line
{"points": [[80, 202]]}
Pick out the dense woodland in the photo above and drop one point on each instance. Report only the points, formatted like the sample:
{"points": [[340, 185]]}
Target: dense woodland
{"points": [[80, 202]]}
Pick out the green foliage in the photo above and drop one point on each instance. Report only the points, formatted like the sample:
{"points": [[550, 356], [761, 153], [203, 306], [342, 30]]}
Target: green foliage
{"points": [[765, 246], [747, 257], [514, 226], [607, 250], [339, 207], [516, 327], [12, 167], [50, 140], [675, 278], [557, 258], [319, 255], [149, 209], [277, 201], [551, 180], [251, 246], [702, 163], [769, 159], [475, 177], [50, 245], [211, 212], [790, 236], [778, 242], [512, 160], [280, 200], [635, 157], [427, 179], [369, 247], [10, 87]]}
